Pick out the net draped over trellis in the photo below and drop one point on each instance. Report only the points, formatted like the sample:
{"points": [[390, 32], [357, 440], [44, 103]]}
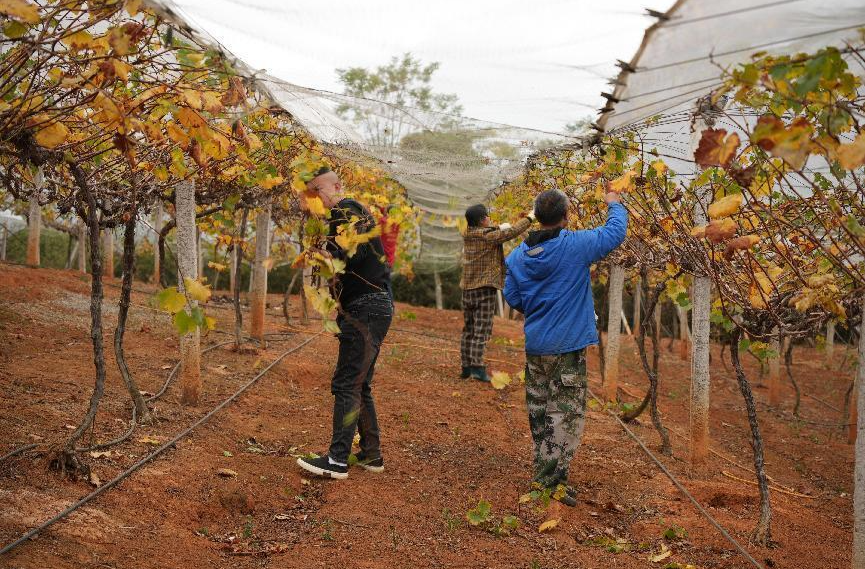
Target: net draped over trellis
{"points": [[445, 162], [682, 58]]}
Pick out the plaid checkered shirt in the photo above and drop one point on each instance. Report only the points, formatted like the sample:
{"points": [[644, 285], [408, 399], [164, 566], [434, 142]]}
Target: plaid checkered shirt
{"points": [[484, 257]]}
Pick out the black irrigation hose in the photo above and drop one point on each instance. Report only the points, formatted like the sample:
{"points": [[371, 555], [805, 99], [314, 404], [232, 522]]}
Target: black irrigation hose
{"points": [[157, 395], [679, 485], [165, 446]]}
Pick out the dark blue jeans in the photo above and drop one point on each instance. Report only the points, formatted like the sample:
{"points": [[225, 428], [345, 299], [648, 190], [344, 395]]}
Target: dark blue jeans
{"points": [[363, 325]]}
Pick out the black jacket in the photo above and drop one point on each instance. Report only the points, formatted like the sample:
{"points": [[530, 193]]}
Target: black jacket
{"points": [[366, 271]]}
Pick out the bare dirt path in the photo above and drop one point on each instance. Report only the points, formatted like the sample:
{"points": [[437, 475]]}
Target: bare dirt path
{"points": [[448, 443]]}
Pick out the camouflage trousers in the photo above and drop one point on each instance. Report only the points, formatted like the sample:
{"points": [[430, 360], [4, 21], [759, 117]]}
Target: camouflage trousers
{"points": [[556, 401]]}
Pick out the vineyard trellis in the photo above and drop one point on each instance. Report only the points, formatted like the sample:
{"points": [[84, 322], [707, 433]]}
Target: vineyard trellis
{"points": [[109, 111]]}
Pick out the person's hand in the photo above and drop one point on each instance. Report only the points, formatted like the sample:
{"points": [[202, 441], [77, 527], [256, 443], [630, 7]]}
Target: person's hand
{"points": [[612, 197], [531, 215], [505, 226]]}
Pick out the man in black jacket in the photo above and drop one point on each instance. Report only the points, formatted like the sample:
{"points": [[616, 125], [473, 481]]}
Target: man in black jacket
{"points": [[365, 314]]}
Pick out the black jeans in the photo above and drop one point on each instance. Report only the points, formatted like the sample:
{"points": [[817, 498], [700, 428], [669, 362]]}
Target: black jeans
{"points": [[363, 325]]}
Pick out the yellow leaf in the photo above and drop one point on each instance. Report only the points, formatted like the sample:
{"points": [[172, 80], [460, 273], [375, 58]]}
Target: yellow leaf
{"points": [[121, 68], [267, 263], [77, 41], [119, 41], [313, 204], [721, 229], [177, 134], [214, 265], [548, 525], [659, 167], [271, 181], [132, 6], [500, 379], [663, 554], [623, 183], [52, 135], [20, 10], [852, 155], [791, 143], [196, 289], [189, 118], [726, 206], [210, 101], [170, 300]]}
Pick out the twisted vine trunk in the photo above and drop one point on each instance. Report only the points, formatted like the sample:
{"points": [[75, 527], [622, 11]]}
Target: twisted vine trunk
{"points": [[238, 248], [651, 398], [762, 534], [67, 459], [128, 260]]}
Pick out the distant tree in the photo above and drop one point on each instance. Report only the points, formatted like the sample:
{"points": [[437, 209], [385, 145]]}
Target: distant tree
{"points": [[580, 126], [396, 99]]}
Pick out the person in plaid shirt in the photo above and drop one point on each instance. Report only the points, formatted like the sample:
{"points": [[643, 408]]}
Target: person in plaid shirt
{"points": [[483, 275]]}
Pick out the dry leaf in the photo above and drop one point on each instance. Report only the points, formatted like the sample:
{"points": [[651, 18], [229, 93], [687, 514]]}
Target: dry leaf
{"points": [[227, 472], [549, 525]]}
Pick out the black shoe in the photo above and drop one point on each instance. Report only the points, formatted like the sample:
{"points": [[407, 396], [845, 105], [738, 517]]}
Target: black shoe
{"points": [[321, 466], [467, 371], [371, 464], [565, 494], [479, 373]]}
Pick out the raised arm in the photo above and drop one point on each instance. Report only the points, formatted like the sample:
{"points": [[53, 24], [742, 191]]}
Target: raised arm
{"points": [[601, 241], [502, 235]]}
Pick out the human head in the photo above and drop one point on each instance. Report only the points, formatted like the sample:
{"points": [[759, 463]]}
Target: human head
{"points": [[551, 208], [327, 186], [476, 215]]}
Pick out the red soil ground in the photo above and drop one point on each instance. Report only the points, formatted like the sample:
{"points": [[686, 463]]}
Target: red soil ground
{"points": [[448, 443]]}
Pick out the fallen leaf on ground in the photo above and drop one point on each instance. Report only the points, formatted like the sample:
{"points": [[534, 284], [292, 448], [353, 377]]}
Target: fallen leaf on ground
{"points": [[94, 479], [548, 525], [227, 472], [663, 554], [148, 440]]}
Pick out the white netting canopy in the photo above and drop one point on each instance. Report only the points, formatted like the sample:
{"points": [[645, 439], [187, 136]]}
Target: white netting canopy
{"points": [[445, 161], [682, 59]]}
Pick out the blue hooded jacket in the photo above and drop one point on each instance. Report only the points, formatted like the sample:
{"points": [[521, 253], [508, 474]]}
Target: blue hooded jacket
{"points": [[548, 280]]}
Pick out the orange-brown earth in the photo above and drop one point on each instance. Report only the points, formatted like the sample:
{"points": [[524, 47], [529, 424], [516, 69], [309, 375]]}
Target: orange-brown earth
{"points": [[448, 443]]}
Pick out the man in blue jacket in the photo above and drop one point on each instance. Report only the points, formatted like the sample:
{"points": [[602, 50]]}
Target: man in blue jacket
{"points": [[548, 280]]}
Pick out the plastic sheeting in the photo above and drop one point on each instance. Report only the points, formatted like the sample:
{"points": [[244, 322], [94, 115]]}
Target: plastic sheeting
{"points": [[681, 57]]}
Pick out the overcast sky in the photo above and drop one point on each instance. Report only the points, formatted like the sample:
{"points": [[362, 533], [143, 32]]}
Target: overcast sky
{"points": [[537, 64]]}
